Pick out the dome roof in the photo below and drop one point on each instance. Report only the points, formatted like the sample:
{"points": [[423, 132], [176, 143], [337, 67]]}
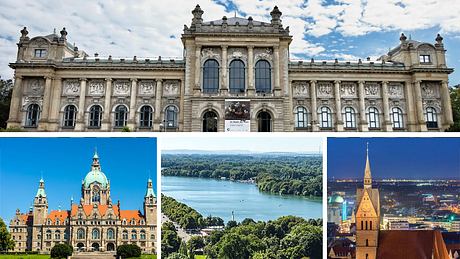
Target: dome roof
{"points": [[335, 199], [96, 175]]}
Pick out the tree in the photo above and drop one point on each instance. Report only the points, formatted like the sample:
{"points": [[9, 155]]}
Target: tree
{"points": [[231, 224], [196, 242], [130, 250], [455, 102], [233, 246], [6, 89], [6, 243], [61, 251], [176, 256], [170, 241]]}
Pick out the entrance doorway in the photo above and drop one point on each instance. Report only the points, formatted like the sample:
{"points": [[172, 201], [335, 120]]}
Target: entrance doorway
{"points": [[264, 120]]}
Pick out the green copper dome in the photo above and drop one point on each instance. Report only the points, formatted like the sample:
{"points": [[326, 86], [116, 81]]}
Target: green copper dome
{"points": [[41, 189], [335, 199], [95, 175]]}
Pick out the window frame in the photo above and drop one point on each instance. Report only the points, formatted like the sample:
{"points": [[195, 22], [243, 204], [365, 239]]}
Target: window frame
{"points": [[263, 76], [264, 124], [237, 76], [425, 59], [146, 111], [303, 112], [32, 115], [373, 118], [42, 53], [95, 123], [95, 232], [207, 119], [70, 116], [171, 114], [349, 117], [431, 118], [120, 116], [397, 113], [211, 76], [325, 112]]}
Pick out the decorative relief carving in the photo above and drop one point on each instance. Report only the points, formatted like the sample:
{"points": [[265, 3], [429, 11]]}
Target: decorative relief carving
{"points": [[27, 100], [35, 86], [237, 53], [96, 87], [265, 53], [372, 89], [39, 42], [348, 89], [170, 87], [430, 89], [71, 87], [374, 103], [301, 88], [325, 89], [395, 90], [207, 53], [146, 87], [432, 103], [121, 87]]}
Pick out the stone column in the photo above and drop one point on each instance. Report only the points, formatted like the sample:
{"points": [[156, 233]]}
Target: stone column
{"points": [[43, 124], [446, 104], [338, 106], [81, 106], [106, 125], [55, 105], [132, 105], [157, 112], [276, 53], [223, 85], [363, 125], [251, 86], [197, 87], [314, 108], [386, 125], [15, 106], [419, 104]]}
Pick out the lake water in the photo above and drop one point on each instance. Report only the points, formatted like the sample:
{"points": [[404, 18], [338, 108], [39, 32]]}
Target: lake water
{"points": [[220, 198]]}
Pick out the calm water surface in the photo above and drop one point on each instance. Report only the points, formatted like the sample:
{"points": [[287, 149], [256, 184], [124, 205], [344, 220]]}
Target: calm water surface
{"points": [[220, 198]]}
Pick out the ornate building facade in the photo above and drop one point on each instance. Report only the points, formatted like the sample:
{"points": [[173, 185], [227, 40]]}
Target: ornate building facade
{"points": [[61, 88], [93, 224]]}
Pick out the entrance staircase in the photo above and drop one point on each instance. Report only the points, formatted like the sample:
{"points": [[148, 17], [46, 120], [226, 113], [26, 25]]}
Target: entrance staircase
{"points": [[90, 255]]}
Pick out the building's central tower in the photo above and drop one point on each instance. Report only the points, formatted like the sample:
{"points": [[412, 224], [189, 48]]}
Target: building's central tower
{"points": [[95, 187]]}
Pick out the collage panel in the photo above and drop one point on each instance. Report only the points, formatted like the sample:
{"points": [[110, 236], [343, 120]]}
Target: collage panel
{"points": [[80, 197], [241, 197], [393, 198]]}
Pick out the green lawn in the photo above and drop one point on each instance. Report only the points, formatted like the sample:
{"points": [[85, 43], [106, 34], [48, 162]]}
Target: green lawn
{"points": [[145, 257], [24, 256], [200, 256]]}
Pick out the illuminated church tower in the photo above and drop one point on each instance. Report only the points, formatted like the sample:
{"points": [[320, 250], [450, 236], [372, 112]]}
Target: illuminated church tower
{"points": [[367, 216]]}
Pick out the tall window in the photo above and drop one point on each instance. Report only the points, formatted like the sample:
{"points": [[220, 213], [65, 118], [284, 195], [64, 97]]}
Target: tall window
{"points": [[33, 115], [431, 118], [95, 234], [171, 116], [263, 77], [142, 236], [146, 114], [349, 117], [48, 234], [110, 234], [264, 120], [425, 59], [209, 121], [80, 233], [133, 234], [95, 116], [57, 234], [237, 76], [373, 118], [125, 234], [210, 76], [121, 116], [325, 117], [397, 118], [301, 117], [70, 114]]}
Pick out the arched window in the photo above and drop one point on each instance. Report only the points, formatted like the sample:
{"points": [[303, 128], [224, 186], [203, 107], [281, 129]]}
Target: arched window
{"points": [[121, 116], [367, 242], [142, 235], [57, 234], [370, 225], [237, 76], [124, 234], [95, 116], [373, 118], [33, 115], [366, 224], [263, 77], [349, 117], [431, 118], [48, 234], [210, 76], [264, 120], [96, 197], [171, 116], [210, 121], [146, 114], [397, 118], [80, 233], [133, 234], [70, 115], [301, 117], [110, 234], [95, 234], [325, 116]]}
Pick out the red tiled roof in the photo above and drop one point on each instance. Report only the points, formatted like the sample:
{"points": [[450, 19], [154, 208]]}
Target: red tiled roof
{"points": [[58, 214], [130, 215], [411, 244], [89, 208]]}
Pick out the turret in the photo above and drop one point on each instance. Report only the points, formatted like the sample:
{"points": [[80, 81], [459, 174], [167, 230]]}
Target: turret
{"points": [[150, 204], [96, 187], [40, 206]]}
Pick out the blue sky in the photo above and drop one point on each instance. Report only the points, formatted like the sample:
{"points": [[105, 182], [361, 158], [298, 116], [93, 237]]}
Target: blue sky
{"points": [[64, 162], [410, 158], [322, 29]]}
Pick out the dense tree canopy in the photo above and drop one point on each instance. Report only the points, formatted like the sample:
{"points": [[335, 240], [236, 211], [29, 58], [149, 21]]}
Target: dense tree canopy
{"points": [[6, 243], [6, 88], [455, 100], [276, 173]]}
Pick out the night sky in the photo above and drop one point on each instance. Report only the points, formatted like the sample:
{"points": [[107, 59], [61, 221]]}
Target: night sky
{"points": [[409, 158], [64, 163]]}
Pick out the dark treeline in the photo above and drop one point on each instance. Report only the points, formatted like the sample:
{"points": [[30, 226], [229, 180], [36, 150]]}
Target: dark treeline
{"points": [[185, 216], [281, 174]]}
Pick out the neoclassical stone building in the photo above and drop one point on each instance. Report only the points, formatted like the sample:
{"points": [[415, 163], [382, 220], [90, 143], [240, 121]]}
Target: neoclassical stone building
{"points": [[226, 63], [93, 224]]}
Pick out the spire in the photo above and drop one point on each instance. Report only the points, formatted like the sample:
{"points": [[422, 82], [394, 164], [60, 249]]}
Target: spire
{"points": [[149, 189], [41, 189], [96, 160], [367, 170]]}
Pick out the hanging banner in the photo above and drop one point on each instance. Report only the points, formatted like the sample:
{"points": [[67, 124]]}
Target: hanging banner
{"points": [[237, 115]]}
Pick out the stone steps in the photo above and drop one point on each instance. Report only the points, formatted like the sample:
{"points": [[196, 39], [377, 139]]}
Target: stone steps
{"points": [[93, 255]]}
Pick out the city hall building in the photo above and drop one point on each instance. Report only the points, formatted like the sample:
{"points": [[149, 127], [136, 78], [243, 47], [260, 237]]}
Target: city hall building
{"points": [[235, 75], [95, 223]]}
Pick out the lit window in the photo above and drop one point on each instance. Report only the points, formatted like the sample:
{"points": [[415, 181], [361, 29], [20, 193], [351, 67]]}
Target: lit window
{"points": [[349, 117], [431, 118], [210, 76], [301, 117], [425, 59], [40, 53], [373, 118]]}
